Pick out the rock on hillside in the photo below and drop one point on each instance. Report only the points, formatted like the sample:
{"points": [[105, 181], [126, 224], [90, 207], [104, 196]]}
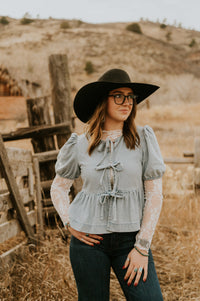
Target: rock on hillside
{"points": [[150, 57]]}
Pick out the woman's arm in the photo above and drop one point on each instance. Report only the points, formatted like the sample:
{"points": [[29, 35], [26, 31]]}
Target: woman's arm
{"points": [[152, 209], [60, 196], [137, 259]]}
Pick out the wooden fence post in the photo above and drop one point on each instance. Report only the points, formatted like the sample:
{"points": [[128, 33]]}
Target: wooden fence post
{"points": [[14, 192], [36, 167], [38, 114], [61, 92], [61, 101], [197, 165]]}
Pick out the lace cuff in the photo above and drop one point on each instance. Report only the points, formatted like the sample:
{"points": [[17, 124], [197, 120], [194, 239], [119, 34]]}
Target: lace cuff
{"points": [[152, 208], [60, 196]]}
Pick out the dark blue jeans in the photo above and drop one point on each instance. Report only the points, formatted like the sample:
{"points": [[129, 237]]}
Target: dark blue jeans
{"points": [[91, 267]]}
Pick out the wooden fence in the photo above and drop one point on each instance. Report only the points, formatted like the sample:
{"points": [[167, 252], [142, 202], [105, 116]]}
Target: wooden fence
{"points": [[21, 162], [190, 158], [29, 180]]}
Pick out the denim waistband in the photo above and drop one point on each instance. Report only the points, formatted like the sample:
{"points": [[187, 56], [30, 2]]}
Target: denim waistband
{"points": [[114, 243]]}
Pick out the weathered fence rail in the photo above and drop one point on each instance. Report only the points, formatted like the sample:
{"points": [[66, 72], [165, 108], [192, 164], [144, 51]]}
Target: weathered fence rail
{"points": [[37, 132], [190, 158], [174, 160]]}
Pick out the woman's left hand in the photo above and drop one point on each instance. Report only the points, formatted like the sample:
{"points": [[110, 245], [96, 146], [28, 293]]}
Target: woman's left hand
{"points": [[135, 264]]}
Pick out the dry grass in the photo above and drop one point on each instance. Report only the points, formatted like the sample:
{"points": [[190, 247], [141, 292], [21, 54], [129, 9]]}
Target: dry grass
{"points": [[176, 248], [44, 273], [175, 126]]}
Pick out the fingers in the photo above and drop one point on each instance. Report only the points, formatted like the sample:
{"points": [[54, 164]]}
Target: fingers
{"points": [[95, 236], [126, 263], [83, 239], [135, 272], [89, 239], [137, 279], [92, 238], [145, 273], [130, 274], [136, 264]]}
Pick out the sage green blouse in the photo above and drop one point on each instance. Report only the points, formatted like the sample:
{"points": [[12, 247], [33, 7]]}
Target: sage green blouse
{"points": [[101, 207]]}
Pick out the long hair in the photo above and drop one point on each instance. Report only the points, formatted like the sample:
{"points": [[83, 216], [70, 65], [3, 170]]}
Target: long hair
{"points": [[95, 127]]}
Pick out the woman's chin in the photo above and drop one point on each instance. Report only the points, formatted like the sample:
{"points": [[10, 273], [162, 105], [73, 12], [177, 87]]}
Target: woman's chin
{"points": [[124, 118]]}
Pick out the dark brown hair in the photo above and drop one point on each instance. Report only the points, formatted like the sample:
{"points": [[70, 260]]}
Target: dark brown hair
{"points": [[96, 122]]}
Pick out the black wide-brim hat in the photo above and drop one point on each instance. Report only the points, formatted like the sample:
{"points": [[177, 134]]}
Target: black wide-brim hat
{"points": [[90, 95]]}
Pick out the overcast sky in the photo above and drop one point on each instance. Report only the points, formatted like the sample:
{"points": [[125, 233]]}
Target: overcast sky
{"points": [[185, 12]]}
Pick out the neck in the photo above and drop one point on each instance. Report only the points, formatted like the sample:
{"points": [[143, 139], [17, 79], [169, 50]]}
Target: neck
{"points": [[112, 131], [108, 126], [111, 134]]}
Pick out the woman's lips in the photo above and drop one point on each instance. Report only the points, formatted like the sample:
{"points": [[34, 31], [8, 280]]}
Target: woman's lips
{"points": [[124, 111]]}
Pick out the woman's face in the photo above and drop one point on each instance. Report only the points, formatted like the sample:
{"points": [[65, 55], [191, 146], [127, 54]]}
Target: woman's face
{"points": [[118, 112]]}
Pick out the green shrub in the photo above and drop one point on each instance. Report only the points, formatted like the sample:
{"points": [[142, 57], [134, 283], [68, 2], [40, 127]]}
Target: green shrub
{"points": [[163, 26], [25, 21], [193, 43], [134, 27], [89, 67], [4, 21], [64, 25]]}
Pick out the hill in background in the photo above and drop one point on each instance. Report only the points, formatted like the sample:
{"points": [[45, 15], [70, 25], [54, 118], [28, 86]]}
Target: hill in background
{"points": [[166, 55]]}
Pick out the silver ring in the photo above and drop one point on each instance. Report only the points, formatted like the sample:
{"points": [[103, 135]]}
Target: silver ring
{"points": [[135, 270], [140, 269], [128, 259], [82, 238]]}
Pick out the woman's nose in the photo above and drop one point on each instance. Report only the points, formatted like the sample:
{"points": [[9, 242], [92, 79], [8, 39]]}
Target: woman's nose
{"points": [[126, 102]]}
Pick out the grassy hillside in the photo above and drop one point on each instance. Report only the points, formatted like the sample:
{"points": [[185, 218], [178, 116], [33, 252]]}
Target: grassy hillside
{"points": [[158, 55]]}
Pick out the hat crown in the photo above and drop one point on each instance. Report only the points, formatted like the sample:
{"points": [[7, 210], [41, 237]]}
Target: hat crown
{"points": [[115, 76]]}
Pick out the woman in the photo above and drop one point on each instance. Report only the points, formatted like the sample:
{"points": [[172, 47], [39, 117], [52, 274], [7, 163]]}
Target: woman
{"points": [[113, 218]]}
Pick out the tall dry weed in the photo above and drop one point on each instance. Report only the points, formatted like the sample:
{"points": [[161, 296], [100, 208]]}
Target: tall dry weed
{"points": [[176, 247]]}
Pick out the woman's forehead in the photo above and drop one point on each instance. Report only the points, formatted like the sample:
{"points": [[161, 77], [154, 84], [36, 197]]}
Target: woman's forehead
{"points": [[122, 90]]}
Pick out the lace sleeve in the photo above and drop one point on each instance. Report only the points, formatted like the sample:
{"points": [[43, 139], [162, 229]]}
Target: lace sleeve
{"points": [[152, 208], [60, 196]]}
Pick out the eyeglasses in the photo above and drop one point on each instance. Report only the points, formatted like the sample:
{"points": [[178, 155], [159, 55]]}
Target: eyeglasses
{"points": [[119, 99]]}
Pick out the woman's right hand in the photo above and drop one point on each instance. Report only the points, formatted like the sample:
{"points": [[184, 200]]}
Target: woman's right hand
{"points": [[89, 239]]}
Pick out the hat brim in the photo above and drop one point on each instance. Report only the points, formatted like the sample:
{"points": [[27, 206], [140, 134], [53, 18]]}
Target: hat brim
{"points": [[90, 95]]}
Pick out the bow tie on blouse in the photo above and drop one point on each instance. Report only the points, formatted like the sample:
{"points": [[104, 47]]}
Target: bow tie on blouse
{"points": [[109, 146]]}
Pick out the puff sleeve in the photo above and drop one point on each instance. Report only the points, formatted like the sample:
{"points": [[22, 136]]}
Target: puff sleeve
{"points": [[153, 164], [67, 165]]}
